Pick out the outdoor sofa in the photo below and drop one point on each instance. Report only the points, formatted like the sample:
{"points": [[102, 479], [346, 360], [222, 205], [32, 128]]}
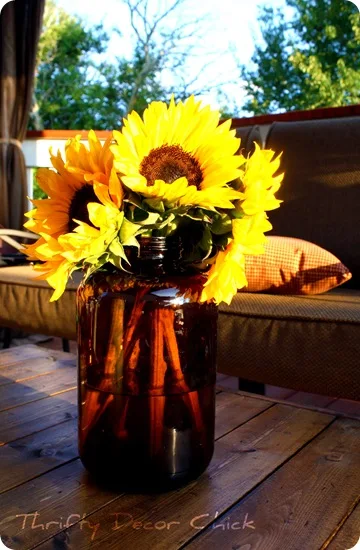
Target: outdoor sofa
{"points": [[304, 342]]}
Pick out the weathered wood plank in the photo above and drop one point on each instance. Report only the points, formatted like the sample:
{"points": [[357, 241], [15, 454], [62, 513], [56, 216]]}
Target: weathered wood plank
{"points": [[33, 455], [67, 490], [34, 367], [56, 496], [326, 410], [278, 393], [243, 458], [23, 420], [311, 399], [20, 354], [13, 395], [233, 410], [349, 533], [345, 406], [36, 416], [302, 503]]}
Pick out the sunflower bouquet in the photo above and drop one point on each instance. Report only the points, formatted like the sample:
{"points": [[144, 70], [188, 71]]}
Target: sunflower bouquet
{"points": [[174, 172]]}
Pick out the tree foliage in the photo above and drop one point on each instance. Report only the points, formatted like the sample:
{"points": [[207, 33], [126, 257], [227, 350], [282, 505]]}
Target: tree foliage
{"points": [[67, 79], [76, 89], [309, 59]]}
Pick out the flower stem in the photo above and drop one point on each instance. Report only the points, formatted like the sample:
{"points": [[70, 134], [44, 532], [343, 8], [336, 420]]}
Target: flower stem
{"points": [[191, 398], [158, 368]]}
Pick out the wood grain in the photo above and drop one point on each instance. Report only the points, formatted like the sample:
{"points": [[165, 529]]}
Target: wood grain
{"points": [[233, 410], [36, 416], [33, 367], [20, 354], [293, 471], [56, 496], [68, 490], [13, 395], [345, 406], [349, 533], [243, 458], [33, 455], [300, 505], [312, 400]]}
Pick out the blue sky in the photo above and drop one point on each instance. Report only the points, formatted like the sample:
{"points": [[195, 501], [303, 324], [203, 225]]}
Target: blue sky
{"points": [[232, 30]]}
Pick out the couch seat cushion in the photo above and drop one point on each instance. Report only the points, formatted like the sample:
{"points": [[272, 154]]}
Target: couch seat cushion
{"points": [[25, 304], [338, 305], [307, 343]]}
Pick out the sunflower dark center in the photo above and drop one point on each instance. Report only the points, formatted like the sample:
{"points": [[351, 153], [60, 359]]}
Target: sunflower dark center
{"points": [[170, 162], [78, 207]]}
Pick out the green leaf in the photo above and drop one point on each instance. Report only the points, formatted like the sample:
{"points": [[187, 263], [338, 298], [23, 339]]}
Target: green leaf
{"points": [[117, 261], [198, 215], [221, 225], [206, 242], [167, 221], [151, 219], [127, 231], [155, 204], [237, 212], [134, 199], [117, 250], [223, 240], [136, 215], [133, 241], [92, 266]]}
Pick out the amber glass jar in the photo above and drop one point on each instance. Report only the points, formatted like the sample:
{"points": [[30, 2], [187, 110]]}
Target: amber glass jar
{"points": [[147, 368]]}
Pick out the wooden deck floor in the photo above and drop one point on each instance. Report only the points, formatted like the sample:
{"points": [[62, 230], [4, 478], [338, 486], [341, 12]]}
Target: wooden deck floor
{"points": [[345, 406], [351, 408]]}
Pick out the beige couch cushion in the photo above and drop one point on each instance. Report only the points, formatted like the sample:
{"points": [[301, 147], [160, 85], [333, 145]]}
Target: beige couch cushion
{"points": [[307, 343], [303, 342], [336, 306], [25, 304]]}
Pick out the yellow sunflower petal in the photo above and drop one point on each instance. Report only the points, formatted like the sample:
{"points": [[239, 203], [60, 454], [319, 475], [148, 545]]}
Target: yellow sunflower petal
{"points": [[215, 197], [182, 140], [59, 279], [260, 182], [70, 185], [226, 276]]}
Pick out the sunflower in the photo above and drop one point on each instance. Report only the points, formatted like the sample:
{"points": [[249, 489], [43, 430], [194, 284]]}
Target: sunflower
{"points": [[180, 154], [175, 159], [70, 186], [87, 177], [56, 269], [227, 274], [260, 183], [88, 244]]}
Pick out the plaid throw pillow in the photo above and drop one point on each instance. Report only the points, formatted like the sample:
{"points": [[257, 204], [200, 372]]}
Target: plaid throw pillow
{"points": [[294, 266]]}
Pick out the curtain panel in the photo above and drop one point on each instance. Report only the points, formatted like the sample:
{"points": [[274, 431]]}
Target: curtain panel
{"points": [[20, 27]]}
